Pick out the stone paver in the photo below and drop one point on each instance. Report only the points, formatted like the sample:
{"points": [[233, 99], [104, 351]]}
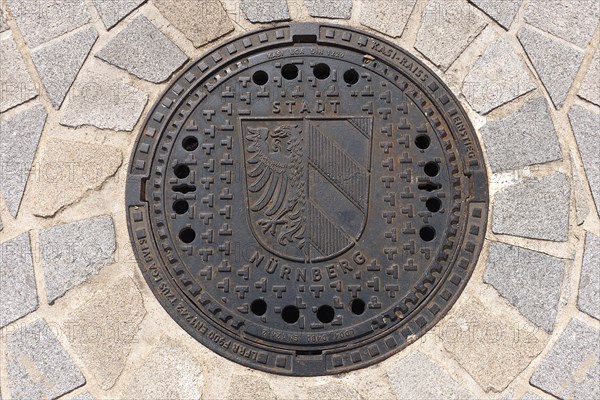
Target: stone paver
{"points": [[113, 11], [572, 20], [184, 380], [18, 295], [38, 367], [496, 78], [144, 51], [250, 387], [104, 102], [42, 20], [572, 368], [589, 285], [582, 208], [59, 63], [586, 126], [590, 88], [331, 8], [333, 391], [3, 24], [73, 252], [447, 29], [526, 137], [387, 16], [1, 225], [416, 377], [544, 215], [18, 144], [83, 396], [67, 170], [556, 63], [265, 10], [104, 328], [201, 22], [488, 343], [502, 11], [531, 396], [16, 86], [529, 280]]}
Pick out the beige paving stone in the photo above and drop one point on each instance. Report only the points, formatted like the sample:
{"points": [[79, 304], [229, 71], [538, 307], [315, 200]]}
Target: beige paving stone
{"points": [[67, 170], [249, 387], [169, 371], [16, 86], [102, 331], [333, 391], [387, 16], [200, 21], [489, 343], [448, 27]]}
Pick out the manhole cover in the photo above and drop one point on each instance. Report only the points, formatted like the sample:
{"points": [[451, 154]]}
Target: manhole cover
{"points": [[307, 199]]}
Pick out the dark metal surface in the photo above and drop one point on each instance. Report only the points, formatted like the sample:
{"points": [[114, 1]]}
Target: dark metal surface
{"points": [[307, 199]]}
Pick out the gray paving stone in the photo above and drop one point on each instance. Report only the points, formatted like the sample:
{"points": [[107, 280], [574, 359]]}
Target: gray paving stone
{"points": [[144, 51], [102, 101], [3, 24], [529, 280], [586, 126], [416, 377], [572, 20], [59, 63], [572, 368], [589, 285], [38, 367], [448, 27], [534, 208], [502, 11], [330, 8], [265, 10], [18, 144], [42, 20], [555, 62], [496, 78], [201, 22], [18, 295], [113, 11], [387, 16], [525, 137], [17, 86], [590, 88], [72, 252], [1, 225]]}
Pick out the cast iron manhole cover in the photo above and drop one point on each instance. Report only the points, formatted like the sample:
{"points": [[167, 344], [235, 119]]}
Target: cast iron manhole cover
{"points": [[307, 199]]}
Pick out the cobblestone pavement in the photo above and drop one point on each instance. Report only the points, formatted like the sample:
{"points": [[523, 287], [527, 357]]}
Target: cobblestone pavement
{"points": [[77, 321]]}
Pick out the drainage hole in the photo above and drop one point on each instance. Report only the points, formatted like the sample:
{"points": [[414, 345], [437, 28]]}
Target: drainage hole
{"points": [[290, 314], [422, 142], [184, 188], [432, 169], [433, 204], [351, 77], [427, 233], [430, 187], [260, 77], [325, 314], [258, 307], [181, 206], [190, 143], [289, 71], [321, 71], [182, 171], [187, 235], [357, 306]]}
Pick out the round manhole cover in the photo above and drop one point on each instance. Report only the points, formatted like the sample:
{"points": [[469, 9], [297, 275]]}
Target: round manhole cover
{"points": [[307, 199]]}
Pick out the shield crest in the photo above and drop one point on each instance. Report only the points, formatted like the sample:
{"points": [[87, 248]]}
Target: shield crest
{"points": [[307, 184]]}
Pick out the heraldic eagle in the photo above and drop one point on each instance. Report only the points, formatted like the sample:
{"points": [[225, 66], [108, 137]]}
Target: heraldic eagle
{"points": [[276, 177]]}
